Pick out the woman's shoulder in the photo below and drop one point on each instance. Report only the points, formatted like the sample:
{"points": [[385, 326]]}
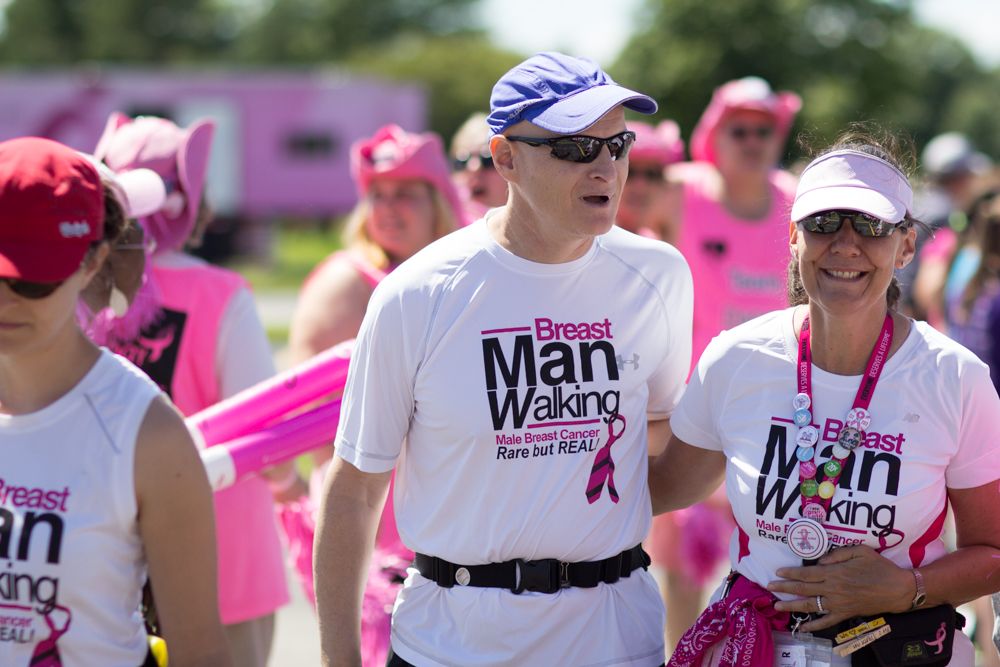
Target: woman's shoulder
{"points": [[931, 344], [767, 334]]}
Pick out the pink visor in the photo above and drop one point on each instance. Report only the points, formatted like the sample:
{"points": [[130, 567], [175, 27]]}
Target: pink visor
{"points": [[662, 144], [396, 153], [854, 181], [751, 93]]}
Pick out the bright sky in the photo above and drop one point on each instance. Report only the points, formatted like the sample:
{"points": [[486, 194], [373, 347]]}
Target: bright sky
{"points": [[529, 26]]}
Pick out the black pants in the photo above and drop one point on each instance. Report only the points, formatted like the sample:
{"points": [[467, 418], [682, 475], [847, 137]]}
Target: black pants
{"points": [[393, 660]]}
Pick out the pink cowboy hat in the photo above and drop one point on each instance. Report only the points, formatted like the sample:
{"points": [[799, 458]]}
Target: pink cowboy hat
{"points": [[395, 153], [662, 144], [747, 93], [178, 155]]}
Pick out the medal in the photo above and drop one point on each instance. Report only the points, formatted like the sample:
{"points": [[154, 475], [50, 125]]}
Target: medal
{"points": [[807, 436], [840, 453], [859, 418], [814, 511], [849, 438], [808, 539]]}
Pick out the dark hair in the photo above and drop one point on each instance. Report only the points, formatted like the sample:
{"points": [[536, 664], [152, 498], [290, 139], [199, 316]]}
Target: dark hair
{"points": [[116, 223], [989, 244], [897, 151]]}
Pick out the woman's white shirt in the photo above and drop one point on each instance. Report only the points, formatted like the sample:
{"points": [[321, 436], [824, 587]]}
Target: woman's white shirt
{"points": [[935, 425]]}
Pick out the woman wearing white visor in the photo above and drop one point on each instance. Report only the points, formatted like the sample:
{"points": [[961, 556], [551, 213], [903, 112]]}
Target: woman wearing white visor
{"points": [[843, 430]]}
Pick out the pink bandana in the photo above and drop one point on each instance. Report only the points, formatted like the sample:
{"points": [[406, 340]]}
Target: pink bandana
{"points": [[744, 619]]}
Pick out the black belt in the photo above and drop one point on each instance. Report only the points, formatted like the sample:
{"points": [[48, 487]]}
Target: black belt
{"points": [[541, 576]]}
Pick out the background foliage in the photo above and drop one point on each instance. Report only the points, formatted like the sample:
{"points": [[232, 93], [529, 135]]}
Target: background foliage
{"points": [[849, 59]]}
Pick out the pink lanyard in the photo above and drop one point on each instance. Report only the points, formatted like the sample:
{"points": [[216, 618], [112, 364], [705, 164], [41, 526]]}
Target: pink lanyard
{"points": [[861, 400]]}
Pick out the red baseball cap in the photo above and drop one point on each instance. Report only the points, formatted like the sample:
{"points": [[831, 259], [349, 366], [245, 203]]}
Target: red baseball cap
{"points": [[51, 209]]}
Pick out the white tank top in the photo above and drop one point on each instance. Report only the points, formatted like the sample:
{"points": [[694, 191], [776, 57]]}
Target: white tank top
{"points": [[72, 565]]}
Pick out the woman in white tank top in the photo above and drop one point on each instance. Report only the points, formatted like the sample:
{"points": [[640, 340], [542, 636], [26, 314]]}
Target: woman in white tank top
{"points": [[99, 480]]}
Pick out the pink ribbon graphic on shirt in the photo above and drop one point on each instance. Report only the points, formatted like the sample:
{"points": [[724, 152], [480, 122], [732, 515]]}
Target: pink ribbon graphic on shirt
{"points": [[939, 638], [604, 467]]}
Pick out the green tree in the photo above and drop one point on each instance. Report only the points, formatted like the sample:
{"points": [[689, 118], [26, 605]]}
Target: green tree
{"points": [[458, 71], [849, 59], [311, 30], [53, 32]]}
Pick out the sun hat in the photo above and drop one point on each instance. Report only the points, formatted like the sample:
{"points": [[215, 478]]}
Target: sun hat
{"points": [[951, 154], [178, 155], [51, 209], [856, 181], [752, 93], [395, 153], [140, 191], [560, 94], [661, 144]]}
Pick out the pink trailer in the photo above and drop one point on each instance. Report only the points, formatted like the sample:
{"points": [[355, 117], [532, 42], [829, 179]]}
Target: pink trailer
{"points": [[281, 147]]}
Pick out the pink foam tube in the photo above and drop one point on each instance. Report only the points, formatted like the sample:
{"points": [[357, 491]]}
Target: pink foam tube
{"points": [[232, 461], [268, 401]]}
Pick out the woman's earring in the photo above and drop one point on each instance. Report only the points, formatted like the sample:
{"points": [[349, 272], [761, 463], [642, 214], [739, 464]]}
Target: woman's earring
{"points": [[118, 301]]}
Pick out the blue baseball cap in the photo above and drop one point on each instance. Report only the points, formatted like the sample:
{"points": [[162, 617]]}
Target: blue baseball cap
{"points": [[560, 94]]}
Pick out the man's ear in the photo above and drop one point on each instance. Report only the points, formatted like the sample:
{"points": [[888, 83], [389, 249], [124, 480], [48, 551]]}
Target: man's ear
{"points": [[503, 157]]}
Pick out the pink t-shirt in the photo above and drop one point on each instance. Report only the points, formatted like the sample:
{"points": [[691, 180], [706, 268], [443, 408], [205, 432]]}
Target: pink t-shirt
{"points": [[738, 266]]}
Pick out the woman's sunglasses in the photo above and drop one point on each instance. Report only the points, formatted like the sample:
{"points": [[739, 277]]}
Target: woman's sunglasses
{"points": [[829, 222], [581, 148], [29, 290]]}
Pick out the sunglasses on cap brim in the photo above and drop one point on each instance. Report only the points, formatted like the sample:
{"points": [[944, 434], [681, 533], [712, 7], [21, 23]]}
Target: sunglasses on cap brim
{"points": [[829, 222], [581, 148], [30, 290]]}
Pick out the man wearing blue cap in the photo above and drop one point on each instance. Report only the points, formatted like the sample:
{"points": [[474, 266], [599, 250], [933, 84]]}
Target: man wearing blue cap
{"points": [[507, 372]]}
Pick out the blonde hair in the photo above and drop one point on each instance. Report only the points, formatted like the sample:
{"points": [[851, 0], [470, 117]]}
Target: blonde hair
{"points": [[356, 236]]}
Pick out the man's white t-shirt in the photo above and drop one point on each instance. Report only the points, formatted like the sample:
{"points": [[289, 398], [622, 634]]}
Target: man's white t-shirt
{"points": [[500, 373], [935, 425]]}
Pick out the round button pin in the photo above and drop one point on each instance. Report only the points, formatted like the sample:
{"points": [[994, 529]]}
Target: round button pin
{"points": [[807, 539], [802, 417], [849, 438], [807, 436], [809, 488], [801, 401], [462, 576], [804, 453], [826, 490], [832, 469], [814, 511], [859, 418], [807, 470], [840, 453]]}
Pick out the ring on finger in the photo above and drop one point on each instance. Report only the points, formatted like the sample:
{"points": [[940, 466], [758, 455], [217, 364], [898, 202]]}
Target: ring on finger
{"points": [[819, 604]]}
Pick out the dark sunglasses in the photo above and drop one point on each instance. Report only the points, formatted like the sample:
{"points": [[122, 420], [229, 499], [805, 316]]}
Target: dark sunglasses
{"points": [[741, 132], [653, 175], [29, 290], [829, 222], [469, 162], [581, 148]]}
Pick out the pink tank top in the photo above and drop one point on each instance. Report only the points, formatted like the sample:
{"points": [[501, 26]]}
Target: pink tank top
{"points": [[178, 353], [369, 272], [738, 266]]}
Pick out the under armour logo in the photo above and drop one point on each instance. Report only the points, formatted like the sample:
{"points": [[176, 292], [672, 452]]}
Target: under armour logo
{"points": [[634, 361]]}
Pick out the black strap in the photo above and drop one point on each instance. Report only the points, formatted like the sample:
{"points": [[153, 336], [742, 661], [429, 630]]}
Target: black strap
{"points": [[541, 576]]}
